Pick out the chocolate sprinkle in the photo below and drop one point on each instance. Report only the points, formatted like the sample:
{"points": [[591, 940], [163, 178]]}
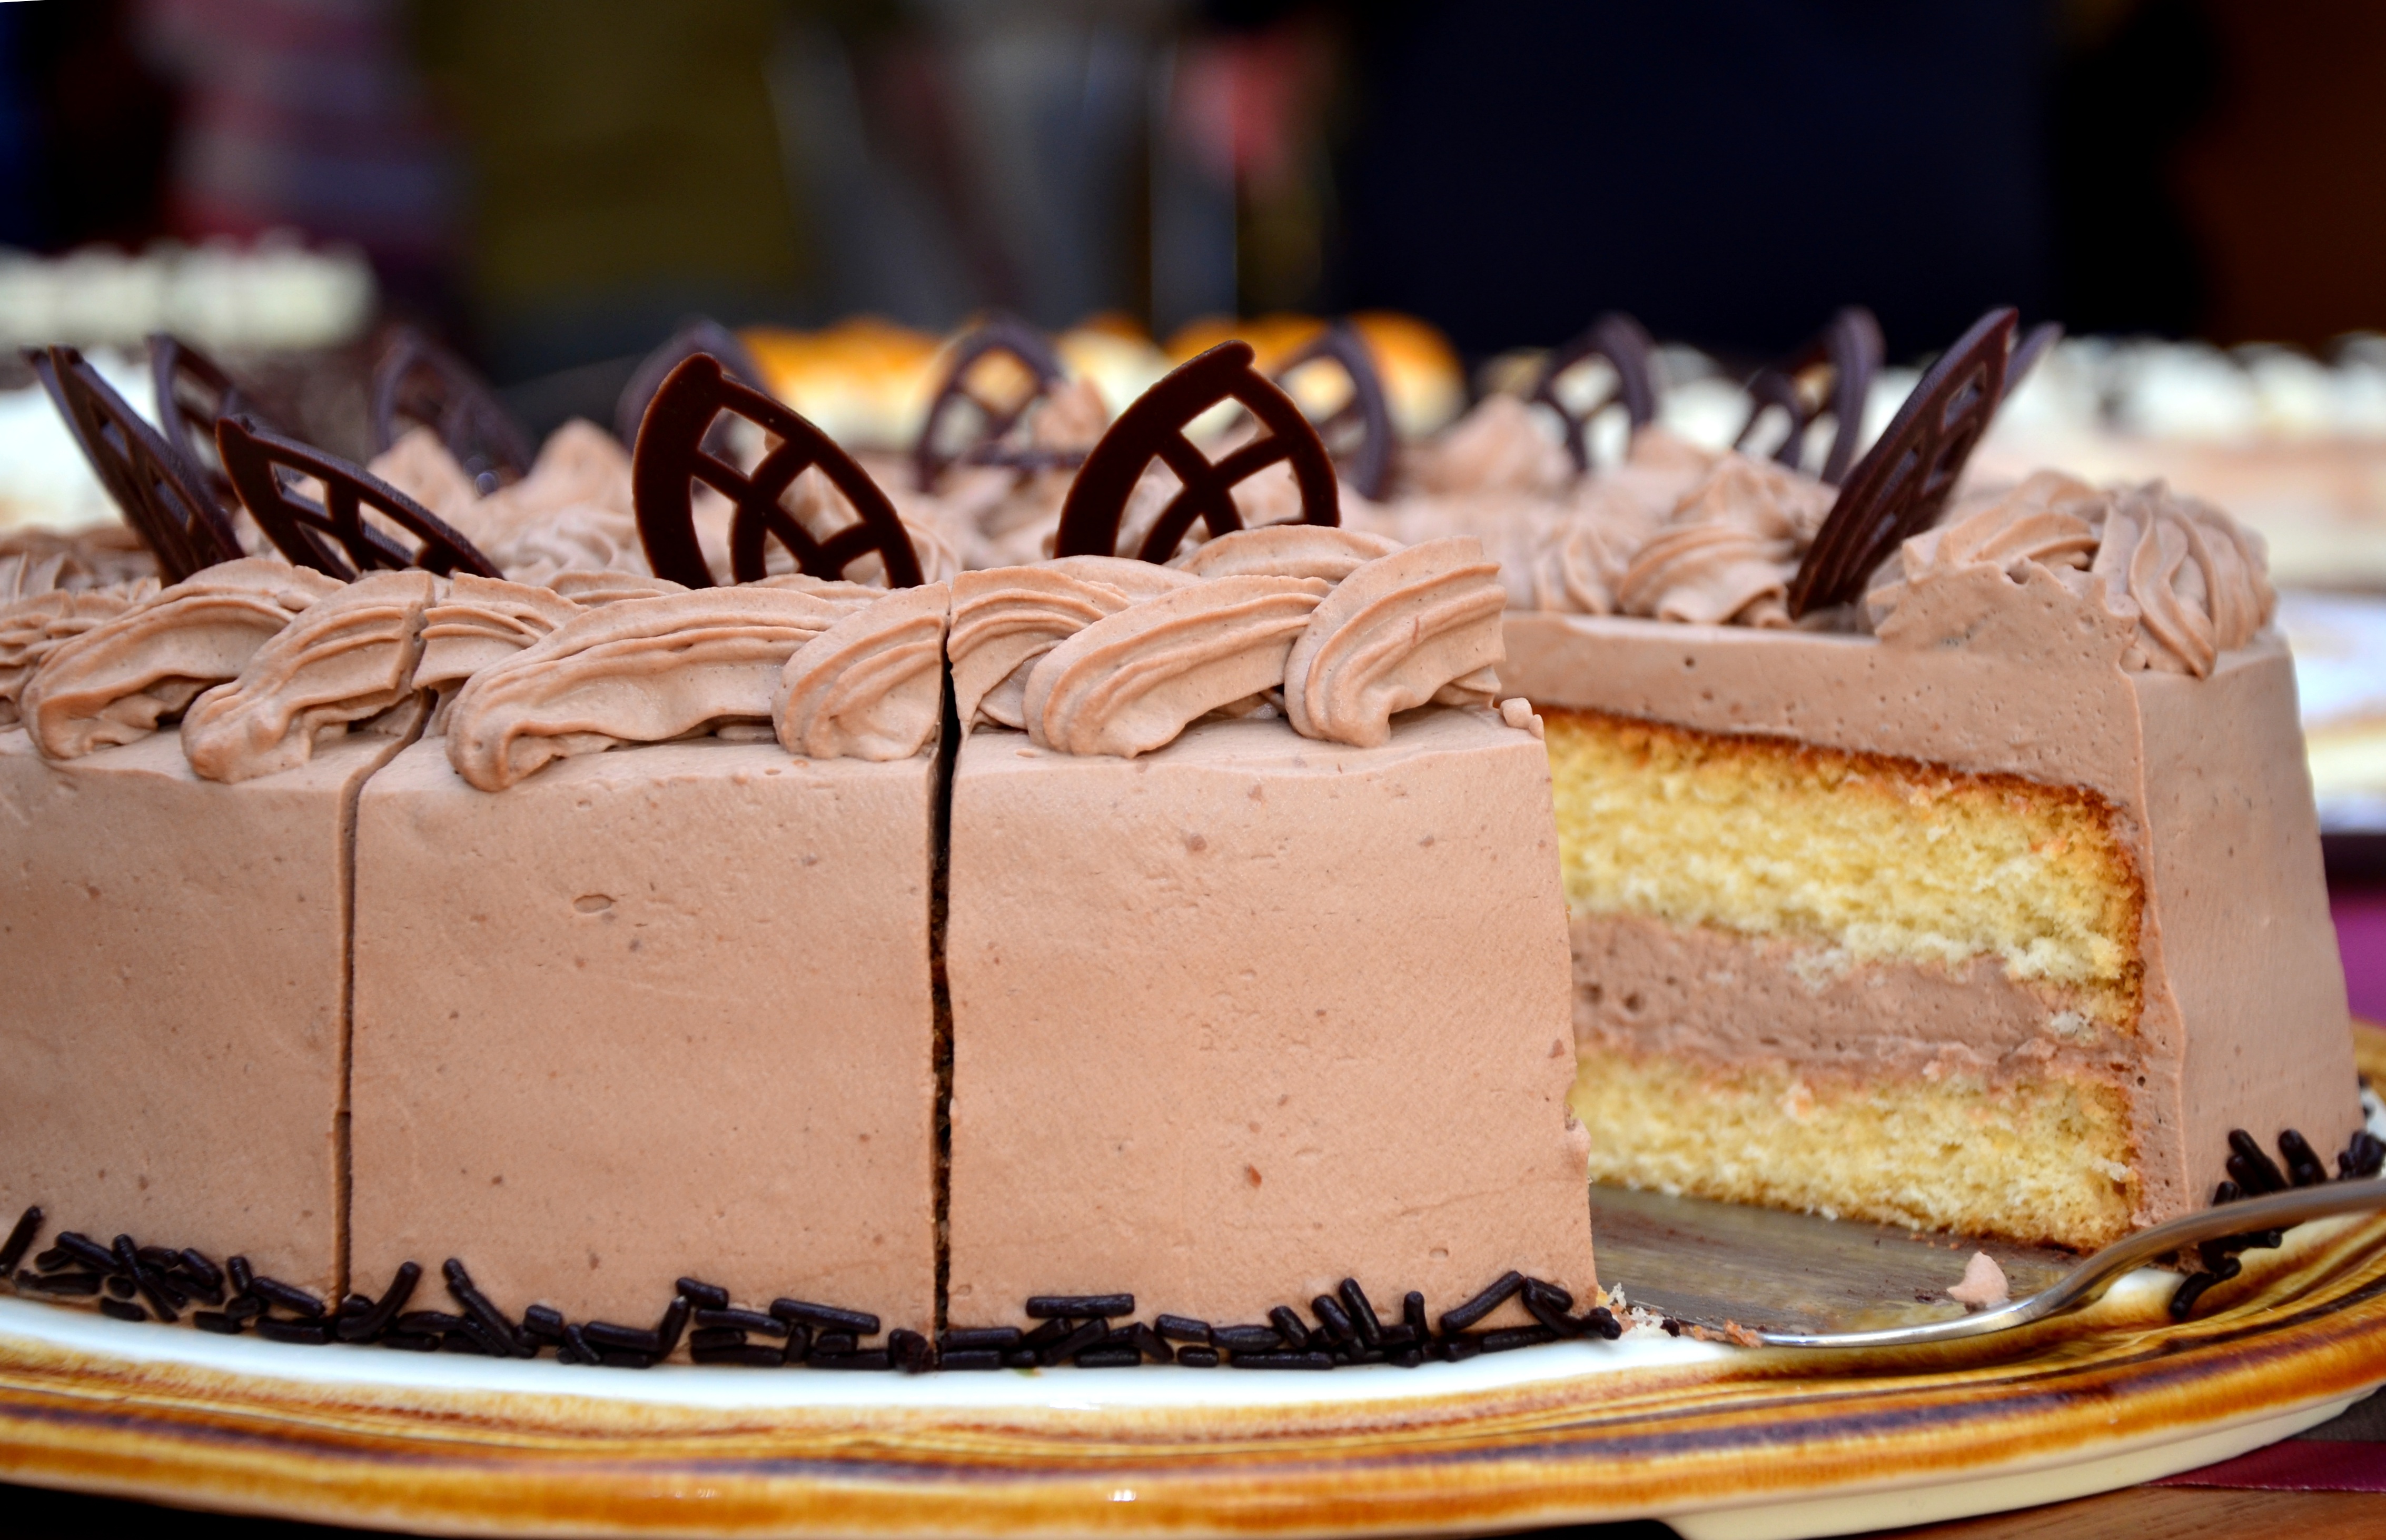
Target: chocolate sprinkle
{"points": [[1330, 1315], [1413, 1315], [90, 1253], [1153, 428], [1458, 1347], [1050, 1332], [576, 1341], [2304, 1164], [1283, 1361], [970, 1338], [20, 1238], [1248, 1339], [1109, 1358], [860, 1322], [118, 1285], [1545, 1310], [408, 1342], [58, 1283], [2251, 1168], [1151, 1344], [752, 1358], [309, 1333], [722, 1336], [615, 1359], [1483, 1304], [431, 1320], [1287, 1325], [2362, 1157], [1076, 1342], [1602, 1320], [628, 1339], [703, 1296], [236, 1268], [875, 1359], [291, 1297], [542, 1323], [244, 1307], [971, 1358], [1044, 1307], [799, 1343], [674, 1322], [215, 1322], [1182, 1328], [122, 1309], [491, 1321], [1198, 1358], [908, 1349], [743, 1321], [1361, 1313], [1020, 1357], [52, 1260]]}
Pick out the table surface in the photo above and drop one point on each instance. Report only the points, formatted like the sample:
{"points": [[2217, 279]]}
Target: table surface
{"points": [[2137, 1513]]}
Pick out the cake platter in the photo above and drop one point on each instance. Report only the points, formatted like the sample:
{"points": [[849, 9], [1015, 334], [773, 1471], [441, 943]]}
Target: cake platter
{"points": [[1718, 1439]]}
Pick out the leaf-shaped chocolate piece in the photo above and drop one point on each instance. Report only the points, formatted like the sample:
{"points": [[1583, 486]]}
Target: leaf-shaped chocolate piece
{"points": [[420, 381], [160, 493], [1358, 432], [1904, 479], [255, 459], [670, 458], [1626, 345], [933, 454], [699, 334], [1850, 347], [193, 392], [1153, 428]]}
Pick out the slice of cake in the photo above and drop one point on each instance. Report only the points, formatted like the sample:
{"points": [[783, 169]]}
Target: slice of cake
{"points": [[1992, 905], [663, 1010], [1240, 1011]]}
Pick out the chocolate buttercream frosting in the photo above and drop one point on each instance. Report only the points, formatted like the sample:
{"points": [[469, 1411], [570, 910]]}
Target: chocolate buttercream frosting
{"points": [[1418, 626], [872, 686], [350, 656], [117, 681]]}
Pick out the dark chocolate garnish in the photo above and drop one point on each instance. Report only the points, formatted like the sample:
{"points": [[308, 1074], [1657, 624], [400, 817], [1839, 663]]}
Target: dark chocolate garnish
{"points": [[1107, 1358], [215, 1322], [861, 1323], [674, 1322], [972, 1338], [58, 1283], [576, 1342], [1518, 1336], [1198, 1358], [996, 419], [971, 1358], [1548, 1313], [1084, 1336], [118, 1284], [909, 1350], [1602, 1320], [290, 1296], [1151, 1344], [418, 382], [244, 1307], [1288, 1324], [543, 1323], [2361, 1158], [834, 1343], [799, 1343], [2304, 1168], [196, 1264], [160, 495], [703, 1296], [237, 1269], [720, 1336], [1483, 1304], [122, 1309], [376, 1321], [698, 334], [312, 1333], [607, 1334], [1850, 347], [749, 1358], [193, 392], [671, 457], [20, 1238], [875, 1359], [431, 1320], [165, 1301], [256, 458], [1362, 424], [83, 1249], [1183, 1328], [743, 1321], [2033, 346], [408, 1342], [2251, 1168], [1248, 1339], [1153, 428], [1283, 1361], [1333, 1318], [1363, 1314], [1043, 1306], [52, 1260], [1906, 478], [1626, 345]]}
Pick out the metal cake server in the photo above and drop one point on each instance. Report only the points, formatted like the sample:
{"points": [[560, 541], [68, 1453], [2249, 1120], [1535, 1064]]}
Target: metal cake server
{"points": [[1808, 1282]]}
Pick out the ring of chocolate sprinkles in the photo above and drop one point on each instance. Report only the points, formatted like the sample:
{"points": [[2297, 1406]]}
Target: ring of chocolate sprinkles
{"points": [[670, 458], [2252, 1173], [418, 381], [1628, 348], [697, 334], [1365, 418], [162, 496], [1906, 478], [256, 457], [997, 333], [1850, 347], [1153, 428]]}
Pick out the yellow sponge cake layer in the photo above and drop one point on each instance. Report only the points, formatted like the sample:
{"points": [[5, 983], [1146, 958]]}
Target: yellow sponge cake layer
{"points": [[2037, 1159], [1870, 859]]}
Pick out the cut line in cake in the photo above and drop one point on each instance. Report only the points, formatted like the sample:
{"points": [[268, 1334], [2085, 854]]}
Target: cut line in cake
{"points": [[1225, 941]]}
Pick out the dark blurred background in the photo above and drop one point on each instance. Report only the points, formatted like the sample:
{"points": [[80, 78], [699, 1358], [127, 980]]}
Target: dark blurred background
{"points": [[552, 184]]}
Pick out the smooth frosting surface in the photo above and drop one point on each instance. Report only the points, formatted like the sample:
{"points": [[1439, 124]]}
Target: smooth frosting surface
{"points": [[116, 682]]}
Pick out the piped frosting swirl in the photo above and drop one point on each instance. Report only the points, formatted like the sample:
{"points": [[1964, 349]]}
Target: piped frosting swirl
{"points": [[350, 656], [1414, 627], [872, 686], [117, 681]]}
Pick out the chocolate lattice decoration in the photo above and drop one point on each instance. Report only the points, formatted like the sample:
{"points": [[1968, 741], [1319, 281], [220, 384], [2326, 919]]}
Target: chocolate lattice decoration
{"points": [[163, 496], [699, 334], [1153, 428], [255, 459], [1902, 482], [1626, 345], [420, 381], [671, 457], [1363, 422], [193, 392], [1004, 334], [2034, 345], [1850, 347]]}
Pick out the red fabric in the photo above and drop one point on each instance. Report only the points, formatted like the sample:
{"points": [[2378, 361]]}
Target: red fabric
{"points": [[2296, 1465], [2361, 940]]}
